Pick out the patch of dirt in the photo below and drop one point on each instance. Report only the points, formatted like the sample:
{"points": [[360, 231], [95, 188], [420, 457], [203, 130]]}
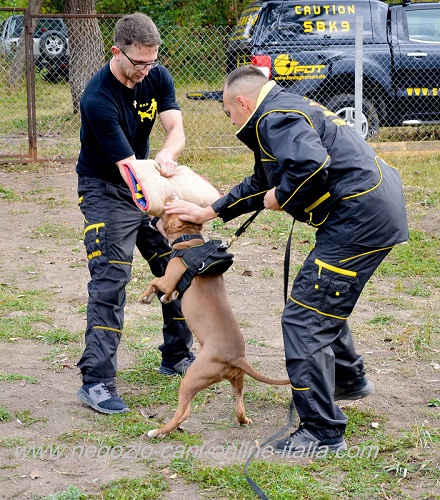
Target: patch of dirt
{"points": [[404, 382]]}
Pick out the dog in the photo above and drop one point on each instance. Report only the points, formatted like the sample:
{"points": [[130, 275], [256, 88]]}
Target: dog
{"points": [[212, 321]]}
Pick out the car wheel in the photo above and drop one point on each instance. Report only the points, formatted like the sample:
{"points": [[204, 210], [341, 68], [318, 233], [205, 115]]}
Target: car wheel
{"points": [[344, 106], [53, 44]]}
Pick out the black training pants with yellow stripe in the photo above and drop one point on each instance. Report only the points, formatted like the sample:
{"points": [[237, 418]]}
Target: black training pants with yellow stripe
{"points": [[113, 226], [318, 343]]}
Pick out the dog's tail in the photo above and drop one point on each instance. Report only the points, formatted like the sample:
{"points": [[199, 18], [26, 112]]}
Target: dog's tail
{"points": [[247, 368]]}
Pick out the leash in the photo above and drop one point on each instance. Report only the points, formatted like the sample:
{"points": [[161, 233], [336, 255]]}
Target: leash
{"points": [[244, 226], [279, 433], [284, 429], [287, 264]]}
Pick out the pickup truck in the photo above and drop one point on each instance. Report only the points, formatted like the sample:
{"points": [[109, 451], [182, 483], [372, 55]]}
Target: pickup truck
{"points": [[308, 47]]}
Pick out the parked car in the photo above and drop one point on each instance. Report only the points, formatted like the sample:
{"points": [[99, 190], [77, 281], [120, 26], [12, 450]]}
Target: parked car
{"points": [[308, 47], [50, 44]]}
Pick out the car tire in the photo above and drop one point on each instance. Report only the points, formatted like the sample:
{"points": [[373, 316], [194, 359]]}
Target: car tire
{"points": [[344, 106], [52, 44]]}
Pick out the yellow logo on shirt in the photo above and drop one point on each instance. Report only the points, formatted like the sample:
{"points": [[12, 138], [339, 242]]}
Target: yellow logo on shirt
{"points": [[150, 112]]}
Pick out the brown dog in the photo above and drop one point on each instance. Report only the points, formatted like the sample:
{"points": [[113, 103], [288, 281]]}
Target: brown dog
{"points": [[210, 318]]}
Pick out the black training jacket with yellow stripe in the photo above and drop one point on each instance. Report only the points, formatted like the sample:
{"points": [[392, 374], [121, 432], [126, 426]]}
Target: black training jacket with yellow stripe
{"points": [[319, 166]]}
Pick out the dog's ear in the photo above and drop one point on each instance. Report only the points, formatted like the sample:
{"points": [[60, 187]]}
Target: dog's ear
{"points": [[177, 224]]}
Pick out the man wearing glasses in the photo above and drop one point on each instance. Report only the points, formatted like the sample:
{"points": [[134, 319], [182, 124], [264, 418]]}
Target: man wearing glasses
{"points": [[118, 109]]}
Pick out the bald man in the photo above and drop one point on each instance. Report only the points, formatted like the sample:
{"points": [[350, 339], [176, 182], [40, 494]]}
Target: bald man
{"points": [[312, 165]]}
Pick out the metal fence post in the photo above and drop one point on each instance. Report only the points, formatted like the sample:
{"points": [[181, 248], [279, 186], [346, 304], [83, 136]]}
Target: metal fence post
{"points": [[30, 85], [358, 73]]}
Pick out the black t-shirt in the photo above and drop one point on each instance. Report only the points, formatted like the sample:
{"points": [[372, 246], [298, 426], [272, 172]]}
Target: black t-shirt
{"points": [[116, 121]]}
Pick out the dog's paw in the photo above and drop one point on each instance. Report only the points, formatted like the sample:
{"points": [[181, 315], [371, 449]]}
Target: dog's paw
{"points": [[245, 421], [154, 433], [169, 297], [147, 297]]}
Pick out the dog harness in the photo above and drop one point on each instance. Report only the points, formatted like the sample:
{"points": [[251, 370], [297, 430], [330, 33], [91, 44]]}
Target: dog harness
{"points": [[209, 257]]}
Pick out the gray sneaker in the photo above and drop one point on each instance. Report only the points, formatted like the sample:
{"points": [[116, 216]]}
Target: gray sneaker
{"points": [[303, 443], [179, 368], [358, 390], [102, 397]]}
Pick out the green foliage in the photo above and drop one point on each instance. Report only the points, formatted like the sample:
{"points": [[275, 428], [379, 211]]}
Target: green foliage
{"points": [[27, 419], [417, 258], [12, 377], [5, 415], [71, 493], [284, 480], [181, 13], [8, 195], [151, 487]]}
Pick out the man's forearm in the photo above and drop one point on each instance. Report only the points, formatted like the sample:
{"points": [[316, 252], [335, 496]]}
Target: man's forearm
{"points": [[173, 146]]}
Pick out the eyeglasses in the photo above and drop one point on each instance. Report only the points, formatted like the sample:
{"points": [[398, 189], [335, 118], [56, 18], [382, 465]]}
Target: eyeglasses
{"points": [[227, 113], [141, 66]]}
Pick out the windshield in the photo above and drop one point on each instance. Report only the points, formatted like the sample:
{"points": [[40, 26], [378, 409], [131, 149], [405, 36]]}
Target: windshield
{"points": [[244, 28]]}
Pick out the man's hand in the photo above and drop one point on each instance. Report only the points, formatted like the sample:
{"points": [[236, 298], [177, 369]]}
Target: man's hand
{"points": [[167, 165], [270, 200], [190, 211]]}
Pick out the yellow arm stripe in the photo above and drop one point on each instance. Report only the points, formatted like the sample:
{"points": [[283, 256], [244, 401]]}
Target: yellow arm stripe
{"points": [[339, 270], [300, 388], [317, 310], [120, 262], [317, 224], [278, 111], [317, 202], [306, 180], [247, 197]]}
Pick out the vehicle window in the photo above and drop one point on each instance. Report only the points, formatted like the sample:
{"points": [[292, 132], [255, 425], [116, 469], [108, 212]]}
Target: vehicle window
{"points": [[47, 25], [423, 25], [244, 28], [16, 27]]}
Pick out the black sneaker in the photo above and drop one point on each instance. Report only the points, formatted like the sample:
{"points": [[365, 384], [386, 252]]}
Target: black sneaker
{"points": [[303, 443], [102, 397], [358, 390], [179, 368]]}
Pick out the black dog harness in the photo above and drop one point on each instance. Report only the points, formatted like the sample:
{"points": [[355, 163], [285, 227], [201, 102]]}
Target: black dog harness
{"points": [[209, 257]]}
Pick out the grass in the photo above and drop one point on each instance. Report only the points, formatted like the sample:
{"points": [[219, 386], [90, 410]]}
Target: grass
{"points": [[12, 377], [406, 315], [5, 415], [26, 419], [151, 487]]}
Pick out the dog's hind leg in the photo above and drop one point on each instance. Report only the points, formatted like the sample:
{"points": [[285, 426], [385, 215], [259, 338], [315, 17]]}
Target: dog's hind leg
{"points": [[237, 383], [199, 376]]}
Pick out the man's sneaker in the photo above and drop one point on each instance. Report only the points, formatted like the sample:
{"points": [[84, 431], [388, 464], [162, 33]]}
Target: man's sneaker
{"points": [[102, 397], [303, 444], [359, 390], [179, 368]]}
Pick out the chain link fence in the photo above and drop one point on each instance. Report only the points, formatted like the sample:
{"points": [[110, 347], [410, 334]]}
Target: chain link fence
{"points": [[67, 51]]}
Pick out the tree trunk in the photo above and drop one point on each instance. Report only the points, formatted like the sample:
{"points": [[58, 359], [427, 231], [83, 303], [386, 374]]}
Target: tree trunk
{"points": [[18, 62], [86, 47]]}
